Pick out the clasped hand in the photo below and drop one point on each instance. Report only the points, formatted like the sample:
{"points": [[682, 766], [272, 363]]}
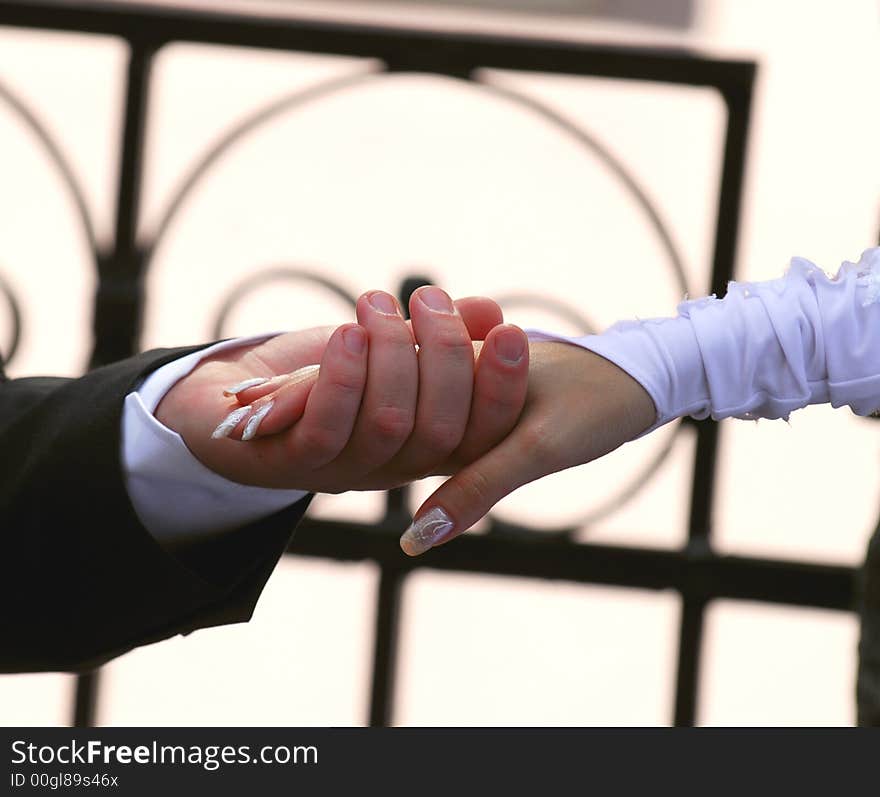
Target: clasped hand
{"points": [[453, 391], [378, 413]]}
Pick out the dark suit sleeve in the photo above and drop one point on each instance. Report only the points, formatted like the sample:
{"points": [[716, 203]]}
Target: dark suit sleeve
{"points": [[81, 580]]}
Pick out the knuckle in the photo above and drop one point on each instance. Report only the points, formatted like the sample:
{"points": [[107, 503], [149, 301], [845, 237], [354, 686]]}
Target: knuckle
{"points": [[318, 442], [392, 423], [476, 488], [440, 437], [452, 341], [496, 401], [347, 384]]}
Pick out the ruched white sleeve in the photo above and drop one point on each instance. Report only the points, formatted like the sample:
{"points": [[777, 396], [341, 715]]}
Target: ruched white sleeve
{"points": [[763, 351], [173, 494]]}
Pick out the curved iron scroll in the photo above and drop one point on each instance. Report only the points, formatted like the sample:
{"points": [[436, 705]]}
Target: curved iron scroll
{"points": [[58, 161], [238, 131], [262, 277], [61, 166], [15, 311], [301, 98]]}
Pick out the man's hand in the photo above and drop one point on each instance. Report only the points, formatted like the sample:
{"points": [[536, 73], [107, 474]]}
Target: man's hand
{"points": [[380, 413], [579, 407]]}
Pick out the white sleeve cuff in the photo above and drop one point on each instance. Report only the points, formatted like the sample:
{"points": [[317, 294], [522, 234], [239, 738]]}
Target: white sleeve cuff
{"points": [[661, 354], [765, 350], [174, 495]]}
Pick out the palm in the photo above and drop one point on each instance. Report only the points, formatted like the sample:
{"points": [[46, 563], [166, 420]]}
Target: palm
{"points": [[284, 353], [194, 407], [338, 441]]}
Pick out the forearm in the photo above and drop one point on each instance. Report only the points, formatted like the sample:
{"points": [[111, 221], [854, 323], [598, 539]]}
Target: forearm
{"points": [[765, 350], [83, 579]]}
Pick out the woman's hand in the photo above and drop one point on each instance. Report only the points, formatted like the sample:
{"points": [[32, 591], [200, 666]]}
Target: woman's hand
{"points": [[579, 407], [377, 413]]}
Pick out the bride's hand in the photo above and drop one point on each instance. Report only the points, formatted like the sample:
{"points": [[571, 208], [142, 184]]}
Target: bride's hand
{"points": [[579, 407]]}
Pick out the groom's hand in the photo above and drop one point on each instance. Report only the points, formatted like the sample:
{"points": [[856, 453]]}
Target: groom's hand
{"points": [[380, 412]]}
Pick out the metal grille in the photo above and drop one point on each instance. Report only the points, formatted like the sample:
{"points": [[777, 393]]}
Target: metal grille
{"points": [[696, 572]]}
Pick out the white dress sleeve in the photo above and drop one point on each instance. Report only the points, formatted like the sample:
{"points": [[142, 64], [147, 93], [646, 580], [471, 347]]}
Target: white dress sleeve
{"points": [[763, 351], [173, 494]]}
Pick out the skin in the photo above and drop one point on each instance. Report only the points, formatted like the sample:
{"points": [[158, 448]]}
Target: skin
{"points": [[579, 407], [379, 414], [385, 415]]}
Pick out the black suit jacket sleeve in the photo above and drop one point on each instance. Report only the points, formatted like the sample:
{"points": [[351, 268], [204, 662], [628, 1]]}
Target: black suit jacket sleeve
{"points": [[81, 580]]}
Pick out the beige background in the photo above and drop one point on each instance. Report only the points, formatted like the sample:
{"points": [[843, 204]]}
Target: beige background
{"points": [[419, 173]]}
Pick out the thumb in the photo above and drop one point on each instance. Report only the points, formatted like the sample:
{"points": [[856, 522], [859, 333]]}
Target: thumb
{"points": [[469, 495]]}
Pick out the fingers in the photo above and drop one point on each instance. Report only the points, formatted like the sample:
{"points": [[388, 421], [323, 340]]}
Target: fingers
{"points": [[580, 407], [480, 315], [388, 408], [287, 393], [270, 406], [394, 415], [445, 386], [500, 387], [287, 400], [469, 495], [333, 403]]}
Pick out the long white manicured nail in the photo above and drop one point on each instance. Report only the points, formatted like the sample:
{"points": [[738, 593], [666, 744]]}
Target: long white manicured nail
{"points": [[294, 377], [255, 420], [426, 532], [237, 388], [230, 422], [301, 374]]}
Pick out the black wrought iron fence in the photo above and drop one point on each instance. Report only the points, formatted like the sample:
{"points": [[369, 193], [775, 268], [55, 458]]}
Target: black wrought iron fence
{"points": [[695, 571]]}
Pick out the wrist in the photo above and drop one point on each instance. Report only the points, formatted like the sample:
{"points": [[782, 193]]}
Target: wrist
{"points": [[661, 356]]}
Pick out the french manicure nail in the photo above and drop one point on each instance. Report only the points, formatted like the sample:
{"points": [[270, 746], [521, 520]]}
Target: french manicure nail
{"points": [[255, 420], [302, 374], [230, 422], [426, 532], [244, 385]]}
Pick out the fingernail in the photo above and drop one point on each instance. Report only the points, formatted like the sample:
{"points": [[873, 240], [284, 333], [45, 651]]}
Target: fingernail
{"points": [[255, 420], [240, 386], [302, 374], [436, 299], [424, 533], [510, 346], [383, 302], [230, 422], [354, 339]]}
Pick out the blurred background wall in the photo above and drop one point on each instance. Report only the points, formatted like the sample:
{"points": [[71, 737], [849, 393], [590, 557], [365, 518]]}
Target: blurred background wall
{"points": [[419, 174]]}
